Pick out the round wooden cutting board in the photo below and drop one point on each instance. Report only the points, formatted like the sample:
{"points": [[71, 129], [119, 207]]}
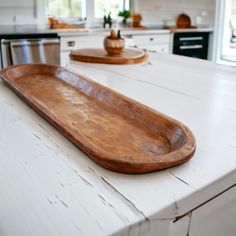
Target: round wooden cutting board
{"points": [[99, 55]]}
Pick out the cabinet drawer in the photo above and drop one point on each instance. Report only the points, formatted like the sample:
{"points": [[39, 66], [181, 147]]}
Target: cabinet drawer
{"points": [[151, 39], [72, 43], [69, 43], [162, 47]]}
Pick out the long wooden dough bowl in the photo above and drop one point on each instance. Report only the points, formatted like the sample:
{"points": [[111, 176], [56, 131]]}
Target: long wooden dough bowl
{"points": [[115, 131]]}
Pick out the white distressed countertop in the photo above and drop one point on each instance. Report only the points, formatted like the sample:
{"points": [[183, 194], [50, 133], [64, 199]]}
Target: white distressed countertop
{"points": [[49, 187]]}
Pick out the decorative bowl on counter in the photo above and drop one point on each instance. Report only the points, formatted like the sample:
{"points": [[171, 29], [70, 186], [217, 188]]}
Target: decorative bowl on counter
{"points": [[114, 44], [118, 133]]}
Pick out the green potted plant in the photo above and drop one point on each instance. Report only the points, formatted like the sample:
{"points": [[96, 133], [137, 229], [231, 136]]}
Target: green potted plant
{"points": [[125, 14]]}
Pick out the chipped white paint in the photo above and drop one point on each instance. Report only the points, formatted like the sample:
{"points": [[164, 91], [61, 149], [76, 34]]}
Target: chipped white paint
{"points": [[49, 187]]}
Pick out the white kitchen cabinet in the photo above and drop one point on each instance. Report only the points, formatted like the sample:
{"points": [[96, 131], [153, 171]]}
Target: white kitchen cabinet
{"points": [[217, 217], [152, 42], [81, 198], [180, 227], [69, 43]]}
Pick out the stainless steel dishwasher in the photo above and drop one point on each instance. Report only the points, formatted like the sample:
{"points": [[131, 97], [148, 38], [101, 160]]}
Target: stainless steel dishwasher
{"points": [[24, 51]]}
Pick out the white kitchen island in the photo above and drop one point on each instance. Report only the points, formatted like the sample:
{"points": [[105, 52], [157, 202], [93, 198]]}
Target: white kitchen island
{"points": [[49, 187]]}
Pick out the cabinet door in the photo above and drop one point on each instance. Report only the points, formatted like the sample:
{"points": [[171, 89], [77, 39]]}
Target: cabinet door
{"points": [[215, 218], [156, 48], [180, 227], [94, 41], [155, 43], [75, 42], [152, 39], [67, 44], [65, 58]]}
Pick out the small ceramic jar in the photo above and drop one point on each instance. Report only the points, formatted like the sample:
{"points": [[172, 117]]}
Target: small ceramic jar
{"points": [[113, 44]]}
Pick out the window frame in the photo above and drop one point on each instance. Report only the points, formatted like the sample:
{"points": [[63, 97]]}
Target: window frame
{"points": [[83, 11], [89, 13], [92, 21], [125, 2]]}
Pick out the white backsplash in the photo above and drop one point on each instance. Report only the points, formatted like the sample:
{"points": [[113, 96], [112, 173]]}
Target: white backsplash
{"points": [[21, 13], [154, 12], [10, 16], [202, 12]]}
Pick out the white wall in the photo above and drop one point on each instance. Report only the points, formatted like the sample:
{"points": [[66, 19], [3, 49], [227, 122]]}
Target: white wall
{"points": [[154, 11]]}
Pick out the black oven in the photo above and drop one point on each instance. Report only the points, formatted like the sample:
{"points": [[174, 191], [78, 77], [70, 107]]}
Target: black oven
{"points": [[191, 44]]}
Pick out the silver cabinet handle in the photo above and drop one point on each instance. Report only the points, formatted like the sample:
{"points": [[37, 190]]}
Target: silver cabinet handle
{"points": [[71, 43], [191, 47], [190, 38]]}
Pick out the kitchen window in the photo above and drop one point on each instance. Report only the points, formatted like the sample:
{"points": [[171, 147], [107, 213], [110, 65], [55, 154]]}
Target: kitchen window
{"points": [[66, 8], [229, 35], [224, 50], [103, 7], [90, 9], [76, 11]]}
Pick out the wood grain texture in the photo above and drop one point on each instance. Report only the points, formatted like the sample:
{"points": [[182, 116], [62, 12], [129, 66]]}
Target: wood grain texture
{"points": [[99, 55], [118, 133], [183, 21], [113, 44]]}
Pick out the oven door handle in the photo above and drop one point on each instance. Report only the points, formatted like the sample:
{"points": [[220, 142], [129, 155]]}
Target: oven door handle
{"points": [[190, 38], [191, 47]]}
